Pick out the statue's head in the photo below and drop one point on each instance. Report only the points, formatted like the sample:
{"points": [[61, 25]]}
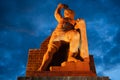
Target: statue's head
{"points": [[69, 13]]}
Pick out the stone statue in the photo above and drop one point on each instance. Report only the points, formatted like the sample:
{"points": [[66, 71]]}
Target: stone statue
{"points": [[67, 30]]}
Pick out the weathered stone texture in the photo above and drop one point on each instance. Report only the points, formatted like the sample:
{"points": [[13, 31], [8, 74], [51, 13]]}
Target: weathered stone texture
{"points": [[64, 78]]}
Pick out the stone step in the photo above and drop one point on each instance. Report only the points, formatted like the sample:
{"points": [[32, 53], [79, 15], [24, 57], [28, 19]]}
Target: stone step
{"points": [[64, 78], [60, 73], [72, 66]]}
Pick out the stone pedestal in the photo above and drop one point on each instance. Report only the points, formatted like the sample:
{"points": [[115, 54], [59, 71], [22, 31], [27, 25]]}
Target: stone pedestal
{"points": [[64, 78], [60, 73]]}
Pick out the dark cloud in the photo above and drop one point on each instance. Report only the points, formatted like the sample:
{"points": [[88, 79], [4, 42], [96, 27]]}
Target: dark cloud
{"points": [[14, 47], [11, 63], [103, 31]]}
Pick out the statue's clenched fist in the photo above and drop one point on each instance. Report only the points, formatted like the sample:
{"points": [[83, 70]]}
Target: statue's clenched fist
{"points": [[63, 6]]}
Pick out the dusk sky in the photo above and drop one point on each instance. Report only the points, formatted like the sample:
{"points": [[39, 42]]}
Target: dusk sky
{"points": [[24, 24]]}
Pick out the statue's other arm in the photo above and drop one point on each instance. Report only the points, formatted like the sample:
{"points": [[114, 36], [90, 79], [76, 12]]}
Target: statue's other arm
{"points": [[81, 25], [57, 14]]}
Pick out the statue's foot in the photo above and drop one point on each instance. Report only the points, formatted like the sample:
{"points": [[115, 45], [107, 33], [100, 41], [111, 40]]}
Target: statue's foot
{"points": [[72, 59], [39, 69], [69, 62], [63, 63]]}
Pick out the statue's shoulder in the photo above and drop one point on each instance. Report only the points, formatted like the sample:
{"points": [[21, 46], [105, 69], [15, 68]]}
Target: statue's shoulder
{"points": [[80, 20]]}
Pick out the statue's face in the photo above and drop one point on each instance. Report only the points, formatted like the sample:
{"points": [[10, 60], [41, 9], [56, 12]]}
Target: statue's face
{"points": [[69, 13]]}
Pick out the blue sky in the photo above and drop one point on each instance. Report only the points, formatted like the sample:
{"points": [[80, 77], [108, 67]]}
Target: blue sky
{"points": [[24, 24]]}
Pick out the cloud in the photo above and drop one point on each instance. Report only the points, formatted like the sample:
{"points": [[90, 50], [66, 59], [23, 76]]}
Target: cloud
{"points": [[11, 63], [113, 73], [104, 42], [14, 47]]}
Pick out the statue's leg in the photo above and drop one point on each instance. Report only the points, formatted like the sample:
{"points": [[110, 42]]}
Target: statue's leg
{"points": [[52, 48], [74, 40]]}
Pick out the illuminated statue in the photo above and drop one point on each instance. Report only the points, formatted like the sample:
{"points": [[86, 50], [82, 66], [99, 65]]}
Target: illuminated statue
{"points": [[67, 30]]}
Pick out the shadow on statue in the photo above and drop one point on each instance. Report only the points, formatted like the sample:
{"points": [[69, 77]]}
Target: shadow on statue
{"points": [[61, 55]]}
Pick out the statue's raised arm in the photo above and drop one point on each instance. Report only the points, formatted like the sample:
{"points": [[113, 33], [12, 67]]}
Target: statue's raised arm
{"points": [[57, 13]]}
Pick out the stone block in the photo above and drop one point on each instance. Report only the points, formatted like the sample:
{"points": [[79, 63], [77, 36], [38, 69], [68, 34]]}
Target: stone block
{"points": [[72, 66], [64, 78]]}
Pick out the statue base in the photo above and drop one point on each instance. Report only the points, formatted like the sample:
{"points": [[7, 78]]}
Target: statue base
{"points": [[60, 73], [64, 78]]}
